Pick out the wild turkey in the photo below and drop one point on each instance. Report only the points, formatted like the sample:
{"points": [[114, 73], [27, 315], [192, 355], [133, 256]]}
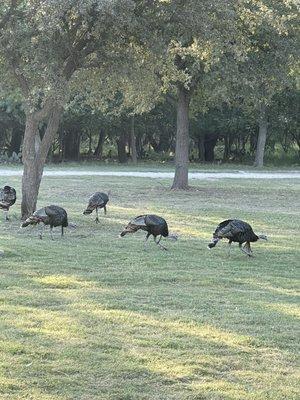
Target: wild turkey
{"points": [[50, 215], [153, 225], [238, 231], [96, 201], [8, 197]]}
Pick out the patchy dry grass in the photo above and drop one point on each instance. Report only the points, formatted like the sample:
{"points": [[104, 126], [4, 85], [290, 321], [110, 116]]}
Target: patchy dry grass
{"points": [[91, 316]]}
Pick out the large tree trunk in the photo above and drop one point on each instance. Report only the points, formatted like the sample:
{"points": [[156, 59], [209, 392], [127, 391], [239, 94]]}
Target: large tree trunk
{"points": [[227, 148], [262, 137], [71, 144], [30, 181], [99, 149], [121, 142], [182, 139], [34, 155], [210, 142], [133, 142], [201, 148]]}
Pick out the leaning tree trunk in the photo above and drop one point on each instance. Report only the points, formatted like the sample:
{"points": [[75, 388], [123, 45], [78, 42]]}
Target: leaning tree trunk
{"points": [[182, 139], [34, 155], [262, 137], [133, 142]]}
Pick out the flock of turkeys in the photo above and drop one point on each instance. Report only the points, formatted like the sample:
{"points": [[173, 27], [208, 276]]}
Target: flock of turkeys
{"points": [[232, 229]]}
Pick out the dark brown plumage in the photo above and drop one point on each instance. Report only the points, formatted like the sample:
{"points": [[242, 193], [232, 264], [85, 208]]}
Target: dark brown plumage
{"points": [[8, 197], [238, 231], [50, 215], [152, 224], [96, 201]]}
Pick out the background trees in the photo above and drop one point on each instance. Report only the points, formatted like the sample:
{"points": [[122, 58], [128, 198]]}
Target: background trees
{"points": [[128, 80], [43, 44]]}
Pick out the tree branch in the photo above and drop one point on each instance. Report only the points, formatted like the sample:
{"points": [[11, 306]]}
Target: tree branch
{"points": [[7, 16]]}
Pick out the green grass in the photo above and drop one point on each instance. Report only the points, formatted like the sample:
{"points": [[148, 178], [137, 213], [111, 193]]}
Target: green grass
{"points": [[91, 316], [165, 166]]}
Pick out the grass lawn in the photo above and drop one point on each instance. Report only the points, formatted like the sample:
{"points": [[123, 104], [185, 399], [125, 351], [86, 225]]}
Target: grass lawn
{"points": [[91, 316], [156, 166]]}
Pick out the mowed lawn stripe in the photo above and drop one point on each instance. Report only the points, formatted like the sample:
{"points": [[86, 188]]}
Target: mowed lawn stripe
{"points": [[93, 316]]}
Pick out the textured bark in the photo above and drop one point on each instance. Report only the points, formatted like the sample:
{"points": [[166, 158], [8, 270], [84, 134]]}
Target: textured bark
{"points": [[71, 144], [182, 139], [201, 149], [227, 147], [34, 156], [30, 173], [210, 142], [122, 156], [99, 149], [133, 142], [262, 137]]}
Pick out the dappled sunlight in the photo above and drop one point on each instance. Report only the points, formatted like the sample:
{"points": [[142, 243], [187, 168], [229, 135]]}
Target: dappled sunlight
{"points": [[221, 387], [279, 247], [127, 211], [177, 222], [88, 316], [62, 281], [54, 324], [34, 393], [261, 377], [258, 387], [268, 287], [203, 331], [291, 310], [10, 384], [160, 364], [189, 231], [172, 362]]}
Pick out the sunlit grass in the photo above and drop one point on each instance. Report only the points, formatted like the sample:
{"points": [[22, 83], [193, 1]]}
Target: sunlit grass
{"points": [[91, 316], [286, 309]]}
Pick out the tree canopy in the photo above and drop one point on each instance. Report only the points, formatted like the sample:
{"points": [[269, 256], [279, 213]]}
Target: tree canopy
{"points": [[146, 77]]}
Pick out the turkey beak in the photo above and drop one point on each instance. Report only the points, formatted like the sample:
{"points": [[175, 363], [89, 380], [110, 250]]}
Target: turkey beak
{"points": [[25, 223], [263, 237]]}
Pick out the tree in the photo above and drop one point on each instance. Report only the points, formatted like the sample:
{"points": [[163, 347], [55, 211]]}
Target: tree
{"points": [[267, 69], [12, 125], [194, 39], [122, 91], [43, 45]]}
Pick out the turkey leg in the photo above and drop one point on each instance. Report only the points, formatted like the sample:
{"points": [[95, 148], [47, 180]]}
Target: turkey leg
{"points": [[160, 245], [97, 218]]}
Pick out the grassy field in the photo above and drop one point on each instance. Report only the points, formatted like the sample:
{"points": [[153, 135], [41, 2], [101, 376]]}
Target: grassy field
{"points": [[91, 316], [158, 166]]}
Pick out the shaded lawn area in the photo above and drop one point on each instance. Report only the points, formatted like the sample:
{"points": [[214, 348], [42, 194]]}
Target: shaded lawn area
{"points": [[156, 166], [92, 316]]}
